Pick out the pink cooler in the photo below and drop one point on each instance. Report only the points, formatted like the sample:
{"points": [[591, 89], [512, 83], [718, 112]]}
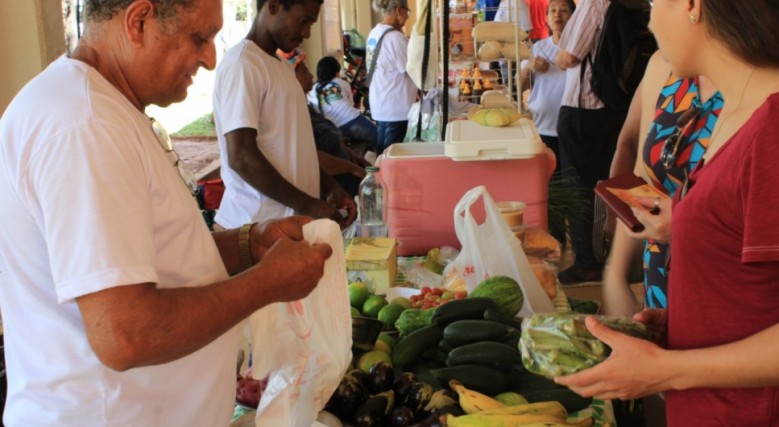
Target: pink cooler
{"points": [[424, 185]]}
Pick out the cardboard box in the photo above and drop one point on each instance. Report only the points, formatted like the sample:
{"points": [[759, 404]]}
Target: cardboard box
{"points": [[377, 258]]}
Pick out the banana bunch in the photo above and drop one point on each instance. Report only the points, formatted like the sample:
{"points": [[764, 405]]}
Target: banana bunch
{"points": [[494, 117], [472, 401], [484, 411]]}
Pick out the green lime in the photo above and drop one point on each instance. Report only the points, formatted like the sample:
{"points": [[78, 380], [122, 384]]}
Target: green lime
{"points": [[373, 305], [401, 301], [389, 315], [387, 339], [367, 360], [510, 398], [355, 312], [382, 346], [358, 293]]}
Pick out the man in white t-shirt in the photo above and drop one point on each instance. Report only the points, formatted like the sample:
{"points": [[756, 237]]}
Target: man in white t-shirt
{"points": [[269, 162], [117, 305]]}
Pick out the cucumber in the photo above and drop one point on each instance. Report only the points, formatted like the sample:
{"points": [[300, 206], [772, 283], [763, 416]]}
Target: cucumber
{"points": [[495, 315], [461, 309], [513, 339], [464, 332], [487, 353], [527, 382], [408, 350], [483, 379]]}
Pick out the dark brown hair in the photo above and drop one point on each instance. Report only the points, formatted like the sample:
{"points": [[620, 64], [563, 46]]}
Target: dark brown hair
{"points": [[748, 29]]}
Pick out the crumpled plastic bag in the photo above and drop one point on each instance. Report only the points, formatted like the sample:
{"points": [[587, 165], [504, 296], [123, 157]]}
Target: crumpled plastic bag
{"points": [[304, 347]]}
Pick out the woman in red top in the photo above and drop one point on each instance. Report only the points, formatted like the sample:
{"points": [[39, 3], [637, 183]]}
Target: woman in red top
{"points": [[720, 366]]}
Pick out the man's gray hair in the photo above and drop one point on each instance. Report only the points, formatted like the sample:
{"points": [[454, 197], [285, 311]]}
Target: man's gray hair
{"points": [[387, 6], [103, 10]]}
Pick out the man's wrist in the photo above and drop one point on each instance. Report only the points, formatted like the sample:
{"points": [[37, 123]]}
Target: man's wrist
{"points": [[244, 248]]}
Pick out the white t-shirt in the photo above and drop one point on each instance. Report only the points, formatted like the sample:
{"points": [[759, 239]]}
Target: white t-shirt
{"points": [[91, 201], [336, 101], [258, 91], [505, 14], [391, 90], [546, 96]]}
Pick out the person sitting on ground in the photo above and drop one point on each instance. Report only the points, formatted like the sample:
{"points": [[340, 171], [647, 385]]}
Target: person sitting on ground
{"points": [[332, 97], [338, 160]]}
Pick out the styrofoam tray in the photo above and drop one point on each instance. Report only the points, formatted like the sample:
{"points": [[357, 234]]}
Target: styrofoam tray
{"points": [[466, 140]]}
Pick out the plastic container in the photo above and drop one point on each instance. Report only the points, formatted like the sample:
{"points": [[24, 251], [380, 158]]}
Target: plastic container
{"points": [[467, 140], [423, 187], [512, 213]]}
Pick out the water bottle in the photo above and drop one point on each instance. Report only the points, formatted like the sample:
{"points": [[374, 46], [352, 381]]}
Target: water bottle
{"points": [[372, 220]]}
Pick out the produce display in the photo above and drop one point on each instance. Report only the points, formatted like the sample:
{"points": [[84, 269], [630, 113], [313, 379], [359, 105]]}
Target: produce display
{"points": [[560, 344]]}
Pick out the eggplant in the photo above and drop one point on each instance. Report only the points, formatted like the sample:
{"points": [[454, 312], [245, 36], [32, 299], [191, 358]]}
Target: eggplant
{"points": [[403, 386], [402, 416], [374, 409], [419, 396], [438, 416], [346, 397], [381, 378], [357, 376]]}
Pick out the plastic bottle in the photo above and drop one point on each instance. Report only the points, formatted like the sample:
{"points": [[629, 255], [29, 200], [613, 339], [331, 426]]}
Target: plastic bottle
{"points": [[372, 202]]}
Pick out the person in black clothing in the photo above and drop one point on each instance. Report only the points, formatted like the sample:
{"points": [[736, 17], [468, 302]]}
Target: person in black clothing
{"points": [[338, 160]]}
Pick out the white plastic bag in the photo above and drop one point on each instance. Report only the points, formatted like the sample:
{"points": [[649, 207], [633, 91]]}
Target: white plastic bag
{"points": [[491, 249], [304, 346]]}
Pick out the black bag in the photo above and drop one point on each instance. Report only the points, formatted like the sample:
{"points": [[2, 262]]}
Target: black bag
{"points": [[625, 46]]}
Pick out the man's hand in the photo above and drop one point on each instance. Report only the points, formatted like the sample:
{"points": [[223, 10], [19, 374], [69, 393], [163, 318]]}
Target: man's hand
{"points": [[342, 201], [290, 269], [265, 235]]}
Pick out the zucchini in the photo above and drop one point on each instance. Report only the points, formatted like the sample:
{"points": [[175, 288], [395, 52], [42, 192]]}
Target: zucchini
{"points": [[487, 353], [464, 332], [408, 350], [461, 309], [484, 379], [495, 315], [567, 397], [513, 339]]}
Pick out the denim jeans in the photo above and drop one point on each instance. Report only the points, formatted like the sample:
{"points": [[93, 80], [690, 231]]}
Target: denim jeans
{"points": [[390, 133], [361, 129]]}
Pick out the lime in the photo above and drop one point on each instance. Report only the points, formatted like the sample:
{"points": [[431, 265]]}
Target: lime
{"points": [[358, 293], [401, 301], [389, 315], [382, 346], [367, 360], [510, 398], [387, 339], [373, 305], [355, 312]]}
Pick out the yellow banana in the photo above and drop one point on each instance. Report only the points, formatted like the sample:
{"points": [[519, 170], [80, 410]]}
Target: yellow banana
{"points": [[477, 420], [555, 409], [472, 401]]}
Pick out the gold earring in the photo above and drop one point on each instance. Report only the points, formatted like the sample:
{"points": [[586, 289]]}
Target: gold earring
{"points": [[693, 19]]}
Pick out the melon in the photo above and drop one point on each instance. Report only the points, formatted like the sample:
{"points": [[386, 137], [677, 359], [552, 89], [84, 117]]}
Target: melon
{"points": [[504, 290]]}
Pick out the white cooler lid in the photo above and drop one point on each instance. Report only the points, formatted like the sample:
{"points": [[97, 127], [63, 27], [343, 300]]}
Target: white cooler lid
{"points": [[467, 140]]}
